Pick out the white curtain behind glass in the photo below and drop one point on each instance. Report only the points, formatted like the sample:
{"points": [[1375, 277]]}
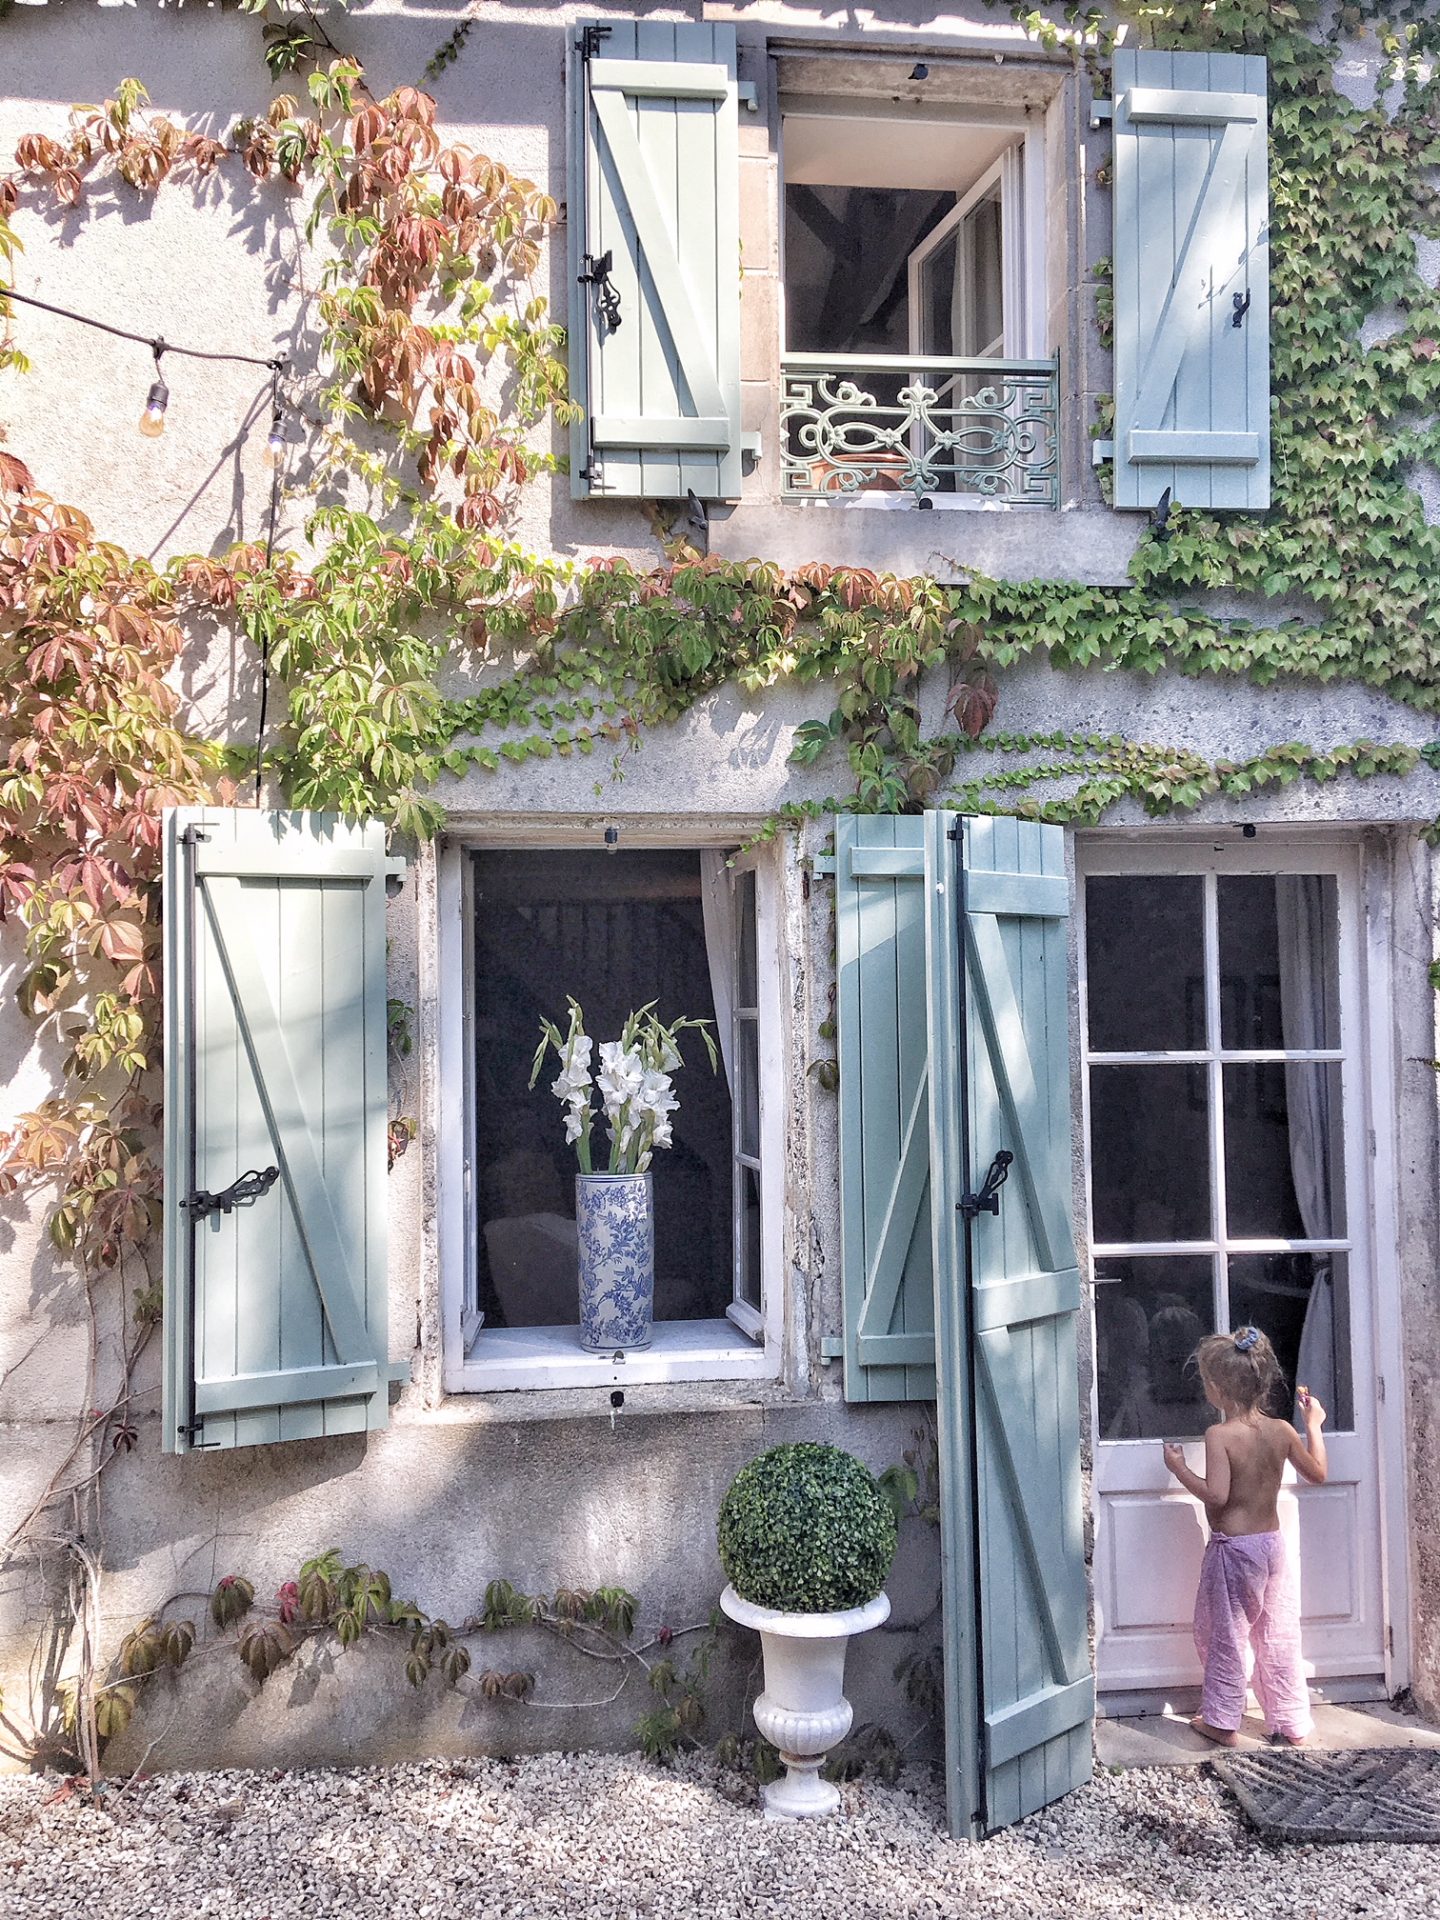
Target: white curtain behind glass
{"points": [[1307, 1020], [717, 900]]}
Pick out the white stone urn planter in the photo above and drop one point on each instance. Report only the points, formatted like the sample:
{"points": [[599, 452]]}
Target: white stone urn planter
{"points": [[803, 1710]]}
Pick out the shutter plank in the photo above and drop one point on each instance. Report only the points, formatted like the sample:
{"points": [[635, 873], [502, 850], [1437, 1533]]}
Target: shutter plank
{"points": [[655, 167], [263, 1036], [1192, 395], [1009, 946], [886, 1257], [288, 1059]]}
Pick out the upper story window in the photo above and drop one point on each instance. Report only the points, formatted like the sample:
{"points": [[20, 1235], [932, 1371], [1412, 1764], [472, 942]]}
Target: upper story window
{"points": [[914, 294]]}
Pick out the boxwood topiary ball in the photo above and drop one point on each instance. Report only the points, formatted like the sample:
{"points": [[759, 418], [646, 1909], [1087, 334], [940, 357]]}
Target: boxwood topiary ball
{"points": [[806, 1529]]}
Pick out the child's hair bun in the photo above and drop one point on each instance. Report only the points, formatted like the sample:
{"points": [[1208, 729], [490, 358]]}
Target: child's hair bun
{"points": [[1245, 1338]]}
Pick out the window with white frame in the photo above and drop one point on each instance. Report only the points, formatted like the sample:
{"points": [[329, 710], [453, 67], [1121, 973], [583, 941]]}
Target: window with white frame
{"points": [[913, 271], [690, 929]]}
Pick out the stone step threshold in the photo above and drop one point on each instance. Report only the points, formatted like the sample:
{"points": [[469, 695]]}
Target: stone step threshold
{"points": [[1166, 1739]]}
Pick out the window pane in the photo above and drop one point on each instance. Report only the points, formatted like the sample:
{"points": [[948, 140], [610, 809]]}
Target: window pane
{"points": [[1278, 962], [745, 986], [1284, 1163], [1150, 1315], [615, 930], [749, 1034], [747, 1283], [1145, 947], [1302, 1301], [1150, 1153]]}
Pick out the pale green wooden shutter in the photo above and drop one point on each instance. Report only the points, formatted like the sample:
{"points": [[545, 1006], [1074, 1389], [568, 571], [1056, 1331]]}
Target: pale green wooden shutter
{"points": [[275, 1058], [1191, 266], [654, 185], [1009, 1382], [889, 1338]]}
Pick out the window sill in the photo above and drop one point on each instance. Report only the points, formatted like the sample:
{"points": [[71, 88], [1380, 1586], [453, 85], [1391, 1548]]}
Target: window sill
{"points": [[508, 1359]]}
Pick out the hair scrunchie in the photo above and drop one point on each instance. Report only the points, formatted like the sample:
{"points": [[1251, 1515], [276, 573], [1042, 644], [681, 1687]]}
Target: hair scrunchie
{"points": [[1245, 1338]]}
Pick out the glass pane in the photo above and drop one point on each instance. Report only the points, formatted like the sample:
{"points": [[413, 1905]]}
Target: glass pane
{"points": [[747, 1282], [1150, 1153], [1279, 970], [746, 957], [615, 930], [979, 324], [1284, 1162], [938, 316], [1150, 1315], [749, 1064], [1144, 948], [1302, 1301]]}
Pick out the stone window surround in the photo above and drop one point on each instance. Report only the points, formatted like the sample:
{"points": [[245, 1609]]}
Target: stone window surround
{"points": [[716, 1359]]}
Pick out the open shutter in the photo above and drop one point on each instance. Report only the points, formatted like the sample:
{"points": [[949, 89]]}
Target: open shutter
{"points": [[275, 1052], [1038, 1696], [655, 261], [884, 1110], [1191, 266]]}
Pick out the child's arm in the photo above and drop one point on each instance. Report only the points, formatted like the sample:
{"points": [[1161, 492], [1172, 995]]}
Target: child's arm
{"points": [[1309, 1453], [1214, 1489]]}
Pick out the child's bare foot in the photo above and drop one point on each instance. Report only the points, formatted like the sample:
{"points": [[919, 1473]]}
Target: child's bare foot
{"points": [[1222, 1736], [1292, 1739]]}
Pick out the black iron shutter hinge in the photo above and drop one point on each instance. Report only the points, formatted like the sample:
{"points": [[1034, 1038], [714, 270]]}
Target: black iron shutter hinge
{"points": [[589, 40]]}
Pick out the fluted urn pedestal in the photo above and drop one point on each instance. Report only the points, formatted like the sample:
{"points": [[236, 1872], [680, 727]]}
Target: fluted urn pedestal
{"points": [[803, 1710]]}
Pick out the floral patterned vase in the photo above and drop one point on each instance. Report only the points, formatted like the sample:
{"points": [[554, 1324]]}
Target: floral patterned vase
{"points": [[616, 1221]]}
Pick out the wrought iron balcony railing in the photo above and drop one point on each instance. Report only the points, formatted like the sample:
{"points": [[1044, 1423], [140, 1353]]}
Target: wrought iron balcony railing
{"points": [[925, 425]]}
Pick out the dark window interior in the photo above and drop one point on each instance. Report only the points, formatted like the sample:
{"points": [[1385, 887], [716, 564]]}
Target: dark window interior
{"points": [[847, 256], [614, 930]]}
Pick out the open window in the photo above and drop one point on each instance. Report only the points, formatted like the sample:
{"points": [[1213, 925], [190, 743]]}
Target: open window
{"points": [[685, 928], [914, 305]]}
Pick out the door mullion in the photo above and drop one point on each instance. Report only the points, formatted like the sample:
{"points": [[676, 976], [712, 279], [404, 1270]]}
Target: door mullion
{"points": [[1219, 1221]]}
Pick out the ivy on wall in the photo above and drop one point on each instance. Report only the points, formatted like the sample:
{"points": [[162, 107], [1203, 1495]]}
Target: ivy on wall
{"points": [[437, 377]]}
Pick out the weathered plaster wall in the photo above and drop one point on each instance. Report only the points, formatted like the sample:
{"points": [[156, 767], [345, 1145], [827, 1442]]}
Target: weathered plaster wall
{"points": [[448, 1497]]}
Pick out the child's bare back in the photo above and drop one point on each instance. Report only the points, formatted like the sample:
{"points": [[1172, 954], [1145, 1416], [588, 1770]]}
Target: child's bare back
{"points": [[1255, 1449]]}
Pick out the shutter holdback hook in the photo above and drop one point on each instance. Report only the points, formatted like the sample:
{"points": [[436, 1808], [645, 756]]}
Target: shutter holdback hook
{"points": [[987, 1200]]}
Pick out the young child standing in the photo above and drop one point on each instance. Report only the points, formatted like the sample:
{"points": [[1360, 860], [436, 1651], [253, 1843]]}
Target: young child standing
{"points": [[1248, 1594]]}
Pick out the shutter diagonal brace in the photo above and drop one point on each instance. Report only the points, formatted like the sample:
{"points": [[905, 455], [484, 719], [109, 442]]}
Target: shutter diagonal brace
{"points": [[1177, 326], [694, 344], [887, 1263], [279, 1095]]}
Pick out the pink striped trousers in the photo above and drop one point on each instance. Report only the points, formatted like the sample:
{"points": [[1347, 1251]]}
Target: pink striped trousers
{"points": [[1248, 1602]]}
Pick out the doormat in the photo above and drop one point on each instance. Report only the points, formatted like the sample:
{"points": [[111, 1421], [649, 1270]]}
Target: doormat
{"points": [[1313, 1797]]}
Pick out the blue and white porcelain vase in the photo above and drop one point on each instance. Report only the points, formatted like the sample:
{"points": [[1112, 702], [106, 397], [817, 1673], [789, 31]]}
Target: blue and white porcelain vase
{"points": [[616, 1221]]}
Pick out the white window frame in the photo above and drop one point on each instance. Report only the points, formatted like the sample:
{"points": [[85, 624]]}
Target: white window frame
{"points": [[504, 1359], [1022, 172]]}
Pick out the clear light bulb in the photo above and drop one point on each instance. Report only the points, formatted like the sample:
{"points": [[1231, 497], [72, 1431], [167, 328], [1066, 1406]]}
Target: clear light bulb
{"points": [[152, 420], [275, 446]]}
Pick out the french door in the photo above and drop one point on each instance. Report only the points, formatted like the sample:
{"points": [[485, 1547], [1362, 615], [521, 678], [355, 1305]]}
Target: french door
{"points": [[1227, 1162]]}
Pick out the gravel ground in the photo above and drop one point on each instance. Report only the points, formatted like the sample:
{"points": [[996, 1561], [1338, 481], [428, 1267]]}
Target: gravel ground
{"points": [[601, 1837]]}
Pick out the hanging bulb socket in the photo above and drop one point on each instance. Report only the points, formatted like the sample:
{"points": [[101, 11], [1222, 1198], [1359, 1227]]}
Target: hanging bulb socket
{"points": [[152, 420], [275, 441], [612, 839]]}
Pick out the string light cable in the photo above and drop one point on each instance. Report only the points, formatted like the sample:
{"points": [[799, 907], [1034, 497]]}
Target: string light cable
{"points": [[152, 425]]}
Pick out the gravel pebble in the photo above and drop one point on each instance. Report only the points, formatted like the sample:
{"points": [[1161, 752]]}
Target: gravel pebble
{"points": [[608, 1837]]}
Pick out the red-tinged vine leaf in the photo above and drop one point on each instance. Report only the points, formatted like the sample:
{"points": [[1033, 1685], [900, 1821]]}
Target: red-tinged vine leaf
{"points": [[122, 941], [288, 1600], [15, 476], [263, 1646], [232, 1598], [1426, 348], [972, 703]]}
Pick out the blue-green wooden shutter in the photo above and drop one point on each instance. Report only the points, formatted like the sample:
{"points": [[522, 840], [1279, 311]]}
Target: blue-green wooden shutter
{"points": [[889, 1337], [1009, 1381], [1192, 388], [275, 1056], [655, 183]]}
